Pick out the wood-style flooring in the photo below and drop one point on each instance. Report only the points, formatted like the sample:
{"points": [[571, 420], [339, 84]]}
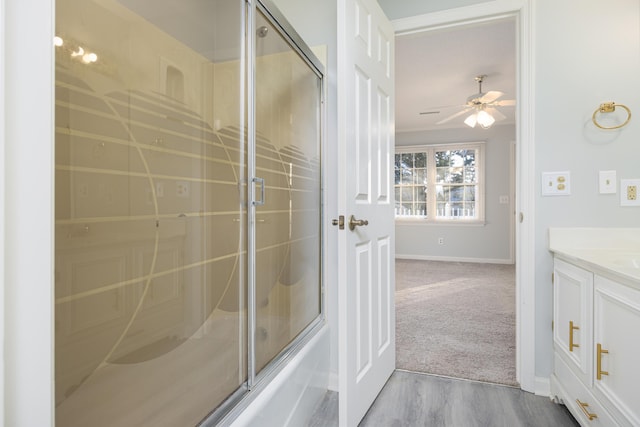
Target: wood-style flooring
{"points": [[414, 399]]}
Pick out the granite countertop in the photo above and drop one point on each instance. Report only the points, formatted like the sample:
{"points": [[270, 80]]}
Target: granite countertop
{"points": [[608, 251]]}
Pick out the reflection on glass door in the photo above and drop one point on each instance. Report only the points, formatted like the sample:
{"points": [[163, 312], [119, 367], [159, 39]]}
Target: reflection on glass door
{"points": [[150, 202], [287, 230], [153, 274]]}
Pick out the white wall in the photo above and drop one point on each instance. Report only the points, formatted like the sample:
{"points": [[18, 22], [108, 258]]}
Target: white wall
{"points": [[473, 243], [585, 54]]}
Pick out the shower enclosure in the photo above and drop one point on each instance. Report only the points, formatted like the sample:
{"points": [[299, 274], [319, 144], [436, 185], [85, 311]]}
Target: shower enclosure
{"points": [[187, 206]]}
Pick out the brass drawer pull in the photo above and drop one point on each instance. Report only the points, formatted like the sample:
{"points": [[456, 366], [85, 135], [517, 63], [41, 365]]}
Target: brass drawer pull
{"points": [[584, 407], [571, 329], [599, 371]]}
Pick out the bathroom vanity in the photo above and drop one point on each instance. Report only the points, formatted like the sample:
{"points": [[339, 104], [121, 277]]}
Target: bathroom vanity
{"points": [[596, 324]]}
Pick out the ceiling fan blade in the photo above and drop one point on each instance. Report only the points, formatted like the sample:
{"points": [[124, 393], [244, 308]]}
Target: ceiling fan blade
{"points": [[505, 103], [445, 107], [453, 116], [424, 113], [490, 96], [495, 113]]}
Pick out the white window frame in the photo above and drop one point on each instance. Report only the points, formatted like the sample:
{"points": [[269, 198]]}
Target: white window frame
{"points": [[430, 217]]}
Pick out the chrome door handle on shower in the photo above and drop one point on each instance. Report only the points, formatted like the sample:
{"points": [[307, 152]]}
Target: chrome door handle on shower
{"points": [[261, 182]]}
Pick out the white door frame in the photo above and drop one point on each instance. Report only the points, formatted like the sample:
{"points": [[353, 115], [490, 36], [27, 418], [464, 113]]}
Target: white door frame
{"points": [[525, 155], [2, 208], [28, 168]]}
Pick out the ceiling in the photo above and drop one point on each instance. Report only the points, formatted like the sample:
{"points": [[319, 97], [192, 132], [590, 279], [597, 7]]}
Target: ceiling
{"points": [[435, 71], [395, 9]]}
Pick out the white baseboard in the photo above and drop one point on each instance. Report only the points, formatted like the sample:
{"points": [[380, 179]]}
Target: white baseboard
{"points": [[454, 259], [543, 386]]}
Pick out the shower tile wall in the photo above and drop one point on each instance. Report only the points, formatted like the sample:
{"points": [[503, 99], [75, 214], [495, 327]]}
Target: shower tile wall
{"points": [[151, 209]]}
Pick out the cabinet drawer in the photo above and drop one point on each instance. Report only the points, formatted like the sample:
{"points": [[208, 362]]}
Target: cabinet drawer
{"points": [[573, 392]]}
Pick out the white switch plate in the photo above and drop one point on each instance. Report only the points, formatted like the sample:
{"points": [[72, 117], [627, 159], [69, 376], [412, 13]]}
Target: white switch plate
{"points": [[556, 183], [607, 182], [630, 192]]}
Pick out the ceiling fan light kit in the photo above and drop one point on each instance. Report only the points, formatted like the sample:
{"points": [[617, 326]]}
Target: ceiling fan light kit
{"points": [[482, 106], [484, 119]]}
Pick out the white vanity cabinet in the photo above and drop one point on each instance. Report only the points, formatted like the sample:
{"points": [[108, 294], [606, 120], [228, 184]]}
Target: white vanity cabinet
{"points": [[596, 334], [617, 348], [572, 324]]}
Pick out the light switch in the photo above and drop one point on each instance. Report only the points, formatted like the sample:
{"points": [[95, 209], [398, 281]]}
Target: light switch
{"points": [[607, 182], [556, 183]]}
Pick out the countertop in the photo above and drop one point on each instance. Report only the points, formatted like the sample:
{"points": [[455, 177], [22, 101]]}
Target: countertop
{"points": [[613, 252]]}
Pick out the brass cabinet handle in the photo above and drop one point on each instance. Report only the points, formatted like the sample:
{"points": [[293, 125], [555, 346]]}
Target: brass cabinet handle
{"points": [[584, 406], [599, 371], [571, 329], [353, 222]]}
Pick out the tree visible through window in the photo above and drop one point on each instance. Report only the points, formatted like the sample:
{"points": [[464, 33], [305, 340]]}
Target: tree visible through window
{"points": [[441, 182]]}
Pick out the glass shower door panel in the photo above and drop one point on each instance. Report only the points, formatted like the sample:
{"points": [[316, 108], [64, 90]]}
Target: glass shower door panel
{"points": [[287, 226], [150, 200]]}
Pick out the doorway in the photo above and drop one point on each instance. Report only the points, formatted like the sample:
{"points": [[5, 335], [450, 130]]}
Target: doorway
{"points": [[429, 245]]}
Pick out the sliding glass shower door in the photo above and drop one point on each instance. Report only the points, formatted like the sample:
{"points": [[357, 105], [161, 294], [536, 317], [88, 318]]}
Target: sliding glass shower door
{"points": [[188, 206], [287, 224]]}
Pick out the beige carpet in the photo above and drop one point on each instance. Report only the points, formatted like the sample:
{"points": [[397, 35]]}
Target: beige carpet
{"points": [[456, 319]]}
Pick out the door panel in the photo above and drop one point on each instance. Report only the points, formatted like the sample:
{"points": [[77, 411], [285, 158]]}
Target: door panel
{"points": [[366, 252], [287, 224], [386, 326], [364, 309], [149, 196], [362, 136], [572, 328]]}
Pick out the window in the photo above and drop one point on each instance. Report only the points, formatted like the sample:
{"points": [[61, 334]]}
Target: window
{"points": [[440, 182]]}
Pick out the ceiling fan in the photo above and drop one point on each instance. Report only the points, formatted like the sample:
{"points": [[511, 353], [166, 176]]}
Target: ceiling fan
{"points": [[481, 106]]}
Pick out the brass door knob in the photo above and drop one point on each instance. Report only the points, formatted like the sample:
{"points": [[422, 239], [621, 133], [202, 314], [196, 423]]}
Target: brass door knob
{"points": [[353, 222]]}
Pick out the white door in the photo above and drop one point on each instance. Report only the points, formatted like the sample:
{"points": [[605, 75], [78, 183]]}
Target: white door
{"points": [[366, 253]]}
